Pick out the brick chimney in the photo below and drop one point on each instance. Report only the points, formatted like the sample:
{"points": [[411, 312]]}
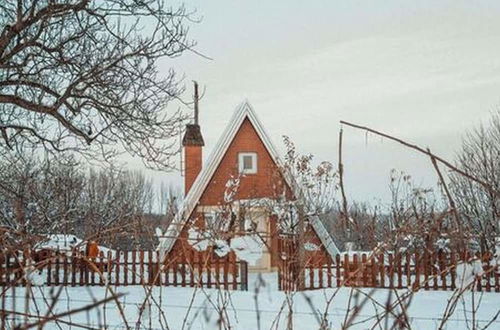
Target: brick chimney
{"points": [[193, 144]]}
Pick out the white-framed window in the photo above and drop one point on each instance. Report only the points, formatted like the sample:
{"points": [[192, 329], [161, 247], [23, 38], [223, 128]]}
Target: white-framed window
{"points": [[215, 221], [247, 162], [210, 220]]}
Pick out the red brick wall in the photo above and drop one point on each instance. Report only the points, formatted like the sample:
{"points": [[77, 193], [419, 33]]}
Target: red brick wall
{"points": [[192, 165], [252, 185]]}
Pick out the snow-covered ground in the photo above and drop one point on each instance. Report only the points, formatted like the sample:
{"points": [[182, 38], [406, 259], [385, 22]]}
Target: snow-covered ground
{"points": [[261, 307]]}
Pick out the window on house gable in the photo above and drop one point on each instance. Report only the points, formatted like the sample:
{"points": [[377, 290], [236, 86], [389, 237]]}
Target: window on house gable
{"points": [[210, 220], [247, 162], [216, 221]]}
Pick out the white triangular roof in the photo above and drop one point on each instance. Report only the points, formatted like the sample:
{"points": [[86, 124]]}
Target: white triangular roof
{"points": [[243, 111]]}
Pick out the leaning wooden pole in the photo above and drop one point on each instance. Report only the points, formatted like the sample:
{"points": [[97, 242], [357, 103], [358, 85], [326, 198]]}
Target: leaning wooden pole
{"points": [[345, 210], [428, 153]]}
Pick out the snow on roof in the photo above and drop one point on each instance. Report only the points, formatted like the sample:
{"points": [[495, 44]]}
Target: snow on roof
{"points": [[65, 243], [242, 112]]}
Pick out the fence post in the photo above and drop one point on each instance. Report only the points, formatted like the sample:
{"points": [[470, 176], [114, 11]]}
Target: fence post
{"points": [[244, 275]]}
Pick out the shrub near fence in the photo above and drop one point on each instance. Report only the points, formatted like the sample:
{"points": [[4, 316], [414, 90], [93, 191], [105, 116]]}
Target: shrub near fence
{"points": [[121, 268], [428, 271]]}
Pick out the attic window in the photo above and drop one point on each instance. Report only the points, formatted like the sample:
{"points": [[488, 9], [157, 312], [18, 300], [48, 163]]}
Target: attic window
{"points": [[247, 162]]}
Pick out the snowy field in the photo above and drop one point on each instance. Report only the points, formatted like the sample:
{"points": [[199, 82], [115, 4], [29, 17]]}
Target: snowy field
{"points": [[188, 308]]}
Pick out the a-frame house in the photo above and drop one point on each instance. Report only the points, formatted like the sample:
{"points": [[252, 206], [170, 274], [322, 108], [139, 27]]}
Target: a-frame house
{"points": [[243, 168]]}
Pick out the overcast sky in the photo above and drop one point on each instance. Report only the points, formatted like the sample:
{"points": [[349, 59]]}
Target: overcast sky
{"points": [[425, 71]]}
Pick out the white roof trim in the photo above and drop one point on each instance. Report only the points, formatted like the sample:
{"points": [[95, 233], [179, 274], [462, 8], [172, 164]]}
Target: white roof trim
{"points": [[244, 110]]}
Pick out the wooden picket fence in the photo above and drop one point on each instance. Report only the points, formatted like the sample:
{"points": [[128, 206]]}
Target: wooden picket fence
{"points": [[428, 271], [121, 268]]}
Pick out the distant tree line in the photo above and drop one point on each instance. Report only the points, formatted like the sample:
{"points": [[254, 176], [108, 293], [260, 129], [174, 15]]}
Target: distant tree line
{"points": [[112, 206]]}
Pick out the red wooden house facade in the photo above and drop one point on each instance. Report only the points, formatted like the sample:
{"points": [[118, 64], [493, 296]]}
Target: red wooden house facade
{"points": [[230, 195]]}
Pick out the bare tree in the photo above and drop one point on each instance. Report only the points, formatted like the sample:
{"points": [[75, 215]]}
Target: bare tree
{"points": [[82, 76], [47, 197], [480, 156]]}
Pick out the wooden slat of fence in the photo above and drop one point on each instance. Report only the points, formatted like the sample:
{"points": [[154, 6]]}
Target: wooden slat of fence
{"points": [[151, 268], [209, 269], [426, 270], [365, 270], [443, 270], [141, 263], [65, 268], [199, 263], [191, 267], [373, 270], [496, 273], [118, 265], [159, 268], [392, 265], [416, 283], [91, 267], [109, 264], [355, 271], [434, 272], [3, 275], [101, 267], [382, 269], [337, 270], [225, 269], [125, 267], [453, 270], [408, 270], [49, 272], [329, 272], [235, 271], [73, 261], [489, 270], [134, 267], [399, 270]]}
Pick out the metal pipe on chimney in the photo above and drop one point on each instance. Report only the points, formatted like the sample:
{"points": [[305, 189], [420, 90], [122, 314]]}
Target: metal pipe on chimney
{"points": [[196, 97]]}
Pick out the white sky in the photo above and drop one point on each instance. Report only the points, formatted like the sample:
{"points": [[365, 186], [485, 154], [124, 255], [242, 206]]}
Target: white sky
{"points": [[425, 71]]}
